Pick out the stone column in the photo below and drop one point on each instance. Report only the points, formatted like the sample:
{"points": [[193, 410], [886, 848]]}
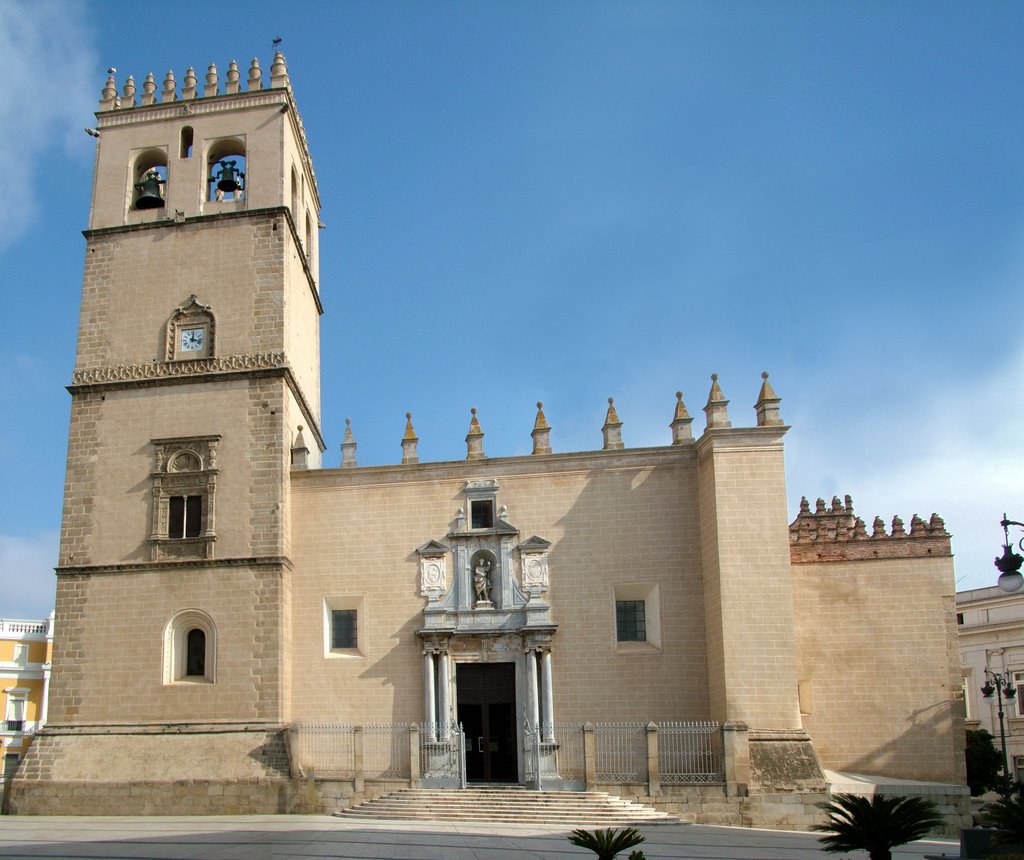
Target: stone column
{"points": [[429, 706], [444, 665], [653, 765], [357, 754], [532, 710], [46, 697], [547, 698], [736, 752], [414, 755], [589, 756]]}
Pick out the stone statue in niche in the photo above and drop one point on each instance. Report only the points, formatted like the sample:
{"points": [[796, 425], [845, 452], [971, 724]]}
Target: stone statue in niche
{"points": [[482, 581]]}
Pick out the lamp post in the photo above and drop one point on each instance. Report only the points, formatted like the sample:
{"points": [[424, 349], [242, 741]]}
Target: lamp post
{"points": [[1001, 685], [1009, 562]]}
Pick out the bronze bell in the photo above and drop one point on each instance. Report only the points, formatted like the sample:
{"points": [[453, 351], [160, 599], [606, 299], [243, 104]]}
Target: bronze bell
{"points": [[228, 179], [149, 191]]}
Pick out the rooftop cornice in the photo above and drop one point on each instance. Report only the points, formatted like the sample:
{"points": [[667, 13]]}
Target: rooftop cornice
{"points": [[580, 461]]}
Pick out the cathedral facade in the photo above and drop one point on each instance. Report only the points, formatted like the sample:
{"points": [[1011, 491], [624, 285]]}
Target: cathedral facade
{"points": [[241, 630]]}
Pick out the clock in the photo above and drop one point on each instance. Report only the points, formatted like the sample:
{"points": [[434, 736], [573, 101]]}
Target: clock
{"points": [[193, 339]]}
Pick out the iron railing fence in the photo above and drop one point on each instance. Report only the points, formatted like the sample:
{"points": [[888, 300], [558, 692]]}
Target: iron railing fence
{"points": [[620, 751], [569, 757], [326, 749], [386, 751], [443, 759], [687, 752], [690, 753]]}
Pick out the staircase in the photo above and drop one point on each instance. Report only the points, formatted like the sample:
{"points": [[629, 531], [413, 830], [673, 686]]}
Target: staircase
{"points": [[509, 804]]}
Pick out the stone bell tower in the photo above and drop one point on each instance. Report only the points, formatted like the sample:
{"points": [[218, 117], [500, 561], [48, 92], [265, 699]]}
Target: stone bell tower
{"points": [[197, 370]]}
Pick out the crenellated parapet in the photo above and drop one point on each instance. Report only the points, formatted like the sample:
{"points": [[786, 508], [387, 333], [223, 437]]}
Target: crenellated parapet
{"points": [[190, 96], [834, 533]]}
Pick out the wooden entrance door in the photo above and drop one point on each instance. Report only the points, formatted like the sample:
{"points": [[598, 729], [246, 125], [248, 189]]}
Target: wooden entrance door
{"points": [[487, 711]]}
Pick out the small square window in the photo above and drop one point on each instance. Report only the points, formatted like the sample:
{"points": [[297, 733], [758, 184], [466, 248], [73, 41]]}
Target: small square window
{"points": [[481, 514], [345, 633], [343, 628], [631, 620], [637, 618], [959, 618]]}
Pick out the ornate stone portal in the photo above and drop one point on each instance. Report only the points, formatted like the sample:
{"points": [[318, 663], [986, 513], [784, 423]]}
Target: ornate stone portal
{"points": [[491, 609]]}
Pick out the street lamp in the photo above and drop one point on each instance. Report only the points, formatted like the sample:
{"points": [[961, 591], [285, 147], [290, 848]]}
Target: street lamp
{"points": [[1001, 683], [1009, 563]]}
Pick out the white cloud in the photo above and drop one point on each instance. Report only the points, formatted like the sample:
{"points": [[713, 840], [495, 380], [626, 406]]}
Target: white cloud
{"points": [[954, 449], [27, 581], [48, 83]]}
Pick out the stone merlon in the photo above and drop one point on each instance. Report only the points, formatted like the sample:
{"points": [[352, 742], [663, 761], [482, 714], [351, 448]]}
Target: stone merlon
{"points": [[833, 533]]}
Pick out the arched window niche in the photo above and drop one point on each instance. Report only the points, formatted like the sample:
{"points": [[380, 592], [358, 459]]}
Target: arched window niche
{"points": [[185, 146], [226, 170], [149, 180], [190, 648]]}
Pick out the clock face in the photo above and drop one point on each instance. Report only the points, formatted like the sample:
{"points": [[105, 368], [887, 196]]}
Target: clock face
{"points": [[193, 339]]}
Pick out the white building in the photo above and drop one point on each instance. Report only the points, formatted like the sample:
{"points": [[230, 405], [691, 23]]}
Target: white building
{"points": [[991, 625]]}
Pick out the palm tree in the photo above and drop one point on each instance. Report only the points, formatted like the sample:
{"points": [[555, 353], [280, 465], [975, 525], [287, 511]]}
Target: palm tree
{"points": [[1007, 814], [878, 825], [607, 843]]}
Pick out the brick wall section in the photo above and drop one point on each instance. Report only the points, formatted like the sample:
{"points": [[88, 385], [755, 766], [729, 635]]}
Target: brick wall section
{"points": [[80, 484], [108, 652], [268, 451], [67, 679]]}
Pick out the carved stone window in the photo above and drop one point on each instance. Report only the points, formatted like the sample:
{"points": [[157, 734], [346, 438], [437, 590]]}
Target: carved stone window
{"points": [[191, 332], [481, 514], [481, 497], [184, 488]]}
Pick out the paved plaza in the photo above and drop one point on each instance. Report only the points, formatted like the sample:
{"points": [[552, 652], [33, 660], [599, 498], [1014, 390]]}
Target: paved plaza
{"points": [[309, 837]]}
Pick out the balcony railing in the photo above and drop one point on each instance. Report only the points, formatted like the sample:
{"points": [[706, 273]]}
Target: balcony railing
{"points": [[13, 726]]}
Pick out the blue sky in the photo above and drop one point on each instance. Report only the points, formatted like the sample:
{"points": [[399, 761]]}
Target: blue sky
{"points": [[566, 201]]}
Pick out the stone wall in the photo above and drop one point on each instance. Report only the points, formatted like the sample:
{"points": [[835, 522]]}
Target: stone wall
{"points": [[153, 770], [877, 652], [613, 518]]}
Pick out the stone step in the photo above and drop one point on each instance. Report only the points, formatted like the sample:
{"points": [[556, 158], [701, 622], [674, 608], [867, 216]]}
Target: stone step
{"points": [[509, 804]]}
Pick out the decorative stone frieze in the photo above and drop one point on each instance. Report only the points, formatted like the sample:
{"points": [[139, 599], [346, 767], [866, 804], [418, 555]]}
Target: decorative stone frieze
{"points": [[834, 533], [162, 369]]}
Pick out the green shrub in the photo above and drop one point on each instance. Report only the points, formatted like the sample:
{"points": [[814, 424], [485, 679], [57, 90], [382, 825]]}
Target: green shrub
{"points": [[607, 843], [876, 825]]}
